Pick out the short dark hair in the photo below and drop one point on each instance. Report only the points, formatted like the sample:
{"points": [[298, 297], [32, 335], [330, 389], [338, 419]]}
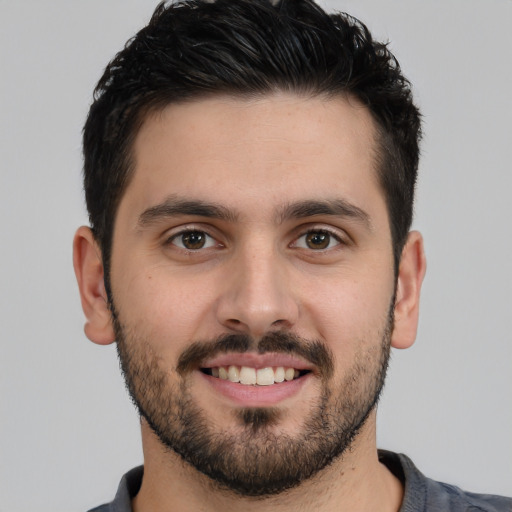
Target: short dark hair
{"points": [[196, 48]]}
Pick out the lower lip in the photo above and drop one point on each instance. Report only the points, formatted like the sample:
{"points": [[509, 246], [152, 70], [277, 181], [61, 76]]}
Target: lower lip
{"points": [[256, 396]]}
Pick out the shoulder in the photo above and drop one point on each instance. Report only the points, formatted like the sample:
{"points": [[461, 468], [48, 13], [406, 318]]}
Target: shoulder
{"points": [[128, 487], [427, 495], [449, 497], [102, 508]]}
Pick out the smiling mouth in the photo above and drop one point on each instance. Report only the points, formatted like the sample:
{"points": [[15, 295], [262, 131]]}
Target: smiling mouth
{"points": [[249, 376]]}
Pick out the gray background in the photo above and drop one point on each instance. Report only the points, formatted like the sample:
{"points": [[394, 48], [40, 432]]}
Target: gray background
{"points": [[67, 428]]}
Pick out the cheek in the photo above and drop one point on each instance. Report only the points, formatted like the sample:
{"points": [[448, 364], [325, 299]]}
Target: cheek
{"points": [[165, 309], [348, 312]]}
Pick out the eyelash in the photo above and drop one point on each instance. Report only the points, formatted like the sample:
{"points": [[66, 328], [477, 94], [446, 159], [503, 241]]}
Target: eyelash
{"points": [[321, 231], [214, 243], [185, 232]]}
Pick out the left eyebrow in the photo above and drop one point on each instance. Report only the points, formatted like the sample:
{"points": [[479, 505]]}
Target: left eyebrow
{"points": [[332, 207], [174, 207]]}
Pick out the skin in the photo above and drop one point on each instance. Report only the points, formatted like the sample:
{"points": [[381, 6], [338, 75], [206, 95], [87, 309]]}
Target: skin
{"points": [[256, 273]]}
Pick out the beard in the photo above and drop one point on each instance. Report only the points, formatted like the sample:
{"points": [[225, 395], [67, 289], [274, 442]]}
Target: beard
{"points": [[255, 459]]}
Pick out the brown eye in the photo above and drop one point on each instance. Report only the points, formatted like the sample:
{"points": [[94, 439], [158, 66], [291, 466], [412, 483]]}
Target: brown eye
{"points": [[193, 240], [318, 240]]}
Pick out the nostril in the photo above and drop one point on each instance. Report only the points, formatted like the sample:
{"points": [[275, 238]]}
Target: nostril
{"points": [[279, 323]]}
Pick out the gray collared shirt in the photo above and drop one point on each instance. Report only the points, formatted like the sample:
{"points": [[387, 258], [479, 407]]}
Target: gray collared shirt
{"points": [[421, 493]]}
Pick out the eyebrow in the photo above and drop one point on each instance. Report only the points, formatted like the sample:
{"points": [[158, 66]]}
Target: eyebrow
{"points": [[330, 207], [174, 207]]}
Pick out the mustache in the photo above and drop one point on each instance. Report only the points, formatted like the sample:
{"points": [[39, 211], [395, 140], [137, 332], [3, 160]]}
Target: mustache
{"points": [[314, 352]]}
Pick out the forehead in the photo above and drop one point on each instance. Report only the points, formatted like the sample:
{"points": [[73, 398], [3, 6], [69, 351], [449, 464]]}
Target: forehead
{"points": [[257, 154]]}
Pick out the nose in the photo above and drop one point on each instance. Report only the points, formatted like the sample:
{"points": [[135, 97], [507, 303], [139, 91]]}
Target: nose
{"points": [[257, 295]]}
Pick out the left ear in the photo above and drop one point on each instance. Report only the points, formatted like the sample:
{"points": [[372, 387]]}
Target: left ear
{"points": [[410, 276]]}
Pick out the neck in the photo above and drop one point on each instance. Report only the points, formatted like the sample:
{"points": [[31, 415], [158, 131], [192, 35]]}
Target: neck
{"points": [[356, 481]]}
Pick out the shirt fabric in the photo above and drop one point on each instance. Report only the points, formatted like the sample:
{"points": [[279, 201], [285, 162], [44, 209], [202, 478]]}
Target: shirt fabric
{"points": [[421, 494]]}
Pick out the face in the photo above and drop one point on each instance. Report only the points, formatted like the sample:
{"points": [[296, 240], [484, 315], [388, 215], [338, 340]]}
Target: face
{"points": [[252, 284]]}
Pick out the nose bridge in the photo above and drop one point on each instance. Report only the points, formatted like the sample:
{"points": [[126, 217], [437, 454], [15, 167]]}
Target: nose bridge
{"points": [[257, 296]]}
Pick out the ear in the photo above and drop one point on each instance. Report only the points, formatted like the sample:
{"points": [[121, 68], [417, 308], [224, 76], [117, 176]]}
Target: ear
{"points": [[410, 276], [88, 266]]}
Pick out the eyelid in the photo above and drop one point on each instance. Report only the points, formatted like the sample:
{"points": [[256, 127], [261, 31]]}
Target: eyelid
{"points": [[339, 235], [209, 242], [171, 235]]}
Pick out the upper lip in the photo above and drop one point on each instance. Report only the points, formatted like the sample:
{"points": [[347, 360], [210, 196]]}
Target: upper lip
{"points": [[255, 360]]}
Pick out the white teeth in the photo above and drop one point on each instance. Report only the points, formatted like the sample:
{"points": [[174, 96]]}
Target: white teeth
{"points": [[289, 374], [265, 376], [247, 375], [233, 374], [279, 374], [251, 376]]}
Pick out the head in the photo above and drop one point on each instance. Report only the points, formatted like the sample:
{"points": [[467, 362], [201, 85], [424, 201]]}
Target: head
{"points": [[249, 174], [195, 49]]}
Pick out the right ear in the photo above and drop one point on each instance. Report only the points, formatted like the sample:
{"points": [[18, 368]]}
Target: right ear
{"points": [[89, 273]]}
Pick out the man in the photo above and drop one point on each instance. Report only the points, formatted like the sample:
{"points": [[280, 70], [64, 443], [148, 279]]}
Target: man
{"points": [[249, 175]]}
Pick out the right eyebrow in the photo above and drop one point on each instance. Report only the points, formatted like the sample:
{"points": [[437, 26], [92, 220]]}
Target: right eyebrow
{"points": [[174, 207]]}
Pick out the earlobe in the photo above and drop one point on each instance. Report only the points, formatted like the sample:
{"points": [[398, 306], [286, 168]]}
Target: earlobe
{"points": [[410, 277], [89, 274]]}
